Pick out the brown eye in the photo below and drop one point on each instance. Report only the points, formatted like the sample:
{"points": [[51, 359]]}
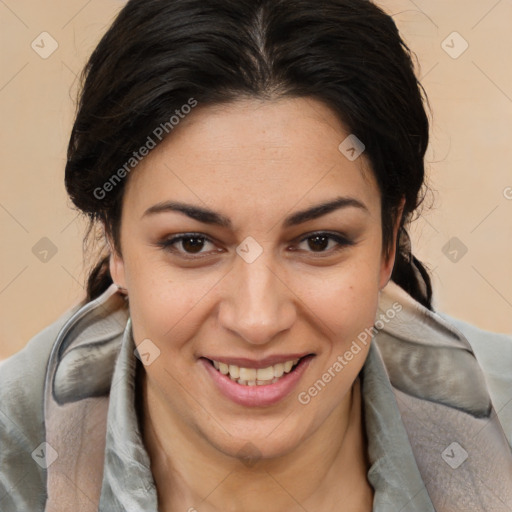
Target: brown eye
{"points": [[318, 243], [325, 243], [192, 244], [186, 244]]}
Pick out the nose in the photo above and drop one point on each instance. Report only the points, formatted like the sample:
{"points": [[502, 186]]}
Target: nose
{"points": [[258, 304]]}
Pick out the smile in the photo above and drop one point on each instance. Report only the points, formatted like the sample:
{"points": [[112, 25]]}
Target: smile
{"points": [[253, 376], [241, 382]]}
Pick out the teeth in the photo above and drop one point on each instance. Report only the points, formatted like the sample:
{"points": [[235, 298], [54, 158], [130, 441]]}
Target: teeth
{"points": [[247, 373], [265, 373], [253, 376], [234, 371], [278, 370]]}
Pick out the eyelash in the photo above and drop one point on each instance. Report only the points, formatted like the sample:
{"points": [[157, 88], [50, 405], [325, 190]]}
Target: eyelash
{"points": [[170, 243]]}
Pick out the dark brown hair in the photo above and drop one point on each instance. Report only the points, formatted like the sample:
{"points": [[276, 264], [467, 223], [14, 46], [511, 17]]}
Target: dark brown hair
{"points": [[160, 53]]}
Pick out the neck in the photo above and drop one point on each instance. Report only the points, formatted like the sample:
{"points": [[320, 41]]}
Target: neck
{"points": [[326, 470]]}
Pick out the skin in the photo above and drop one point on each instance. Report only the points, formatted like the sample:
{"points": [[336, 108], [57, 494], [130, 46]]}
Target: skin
{"points": [[256, 163]]}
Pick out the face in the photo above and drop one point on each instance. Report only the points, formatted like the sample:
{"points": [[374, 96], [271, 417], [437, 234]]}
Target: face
{"points": [[231, 263]]}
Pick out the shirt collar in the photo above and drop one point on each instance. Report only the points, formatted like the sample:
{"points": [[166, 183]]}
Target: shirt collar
{"points": [[394, 474], [128, 483]]}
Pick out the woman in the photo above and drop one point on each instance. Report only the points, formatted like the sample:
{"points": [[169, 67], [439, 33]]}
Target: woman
{"points": [[257, 335]]}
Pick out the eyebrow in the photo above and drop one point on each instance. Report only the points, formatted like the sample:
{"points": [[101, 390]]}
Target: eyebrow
{"points": [[208, 216]]}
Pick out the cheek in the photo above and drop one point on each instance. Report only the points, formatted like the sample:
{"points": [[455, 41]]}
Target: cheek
{"points": [[162, 312], [345, 299], [167, 306], [344, 305]]}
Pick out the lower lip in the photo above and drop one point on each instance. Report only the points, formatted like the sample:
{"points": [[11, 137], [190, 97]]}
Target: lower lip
{"points": [[257, 396]]}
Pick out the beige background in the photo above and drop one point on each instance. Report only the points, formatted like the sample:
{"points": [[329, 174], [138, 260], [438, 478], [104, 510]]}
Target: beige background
{"points": [[469, 158]]}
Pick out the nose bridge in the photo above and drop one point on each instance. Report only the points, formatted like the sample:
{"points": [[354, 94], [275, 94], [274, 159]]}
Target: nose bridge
{"points": [[258, 304]]}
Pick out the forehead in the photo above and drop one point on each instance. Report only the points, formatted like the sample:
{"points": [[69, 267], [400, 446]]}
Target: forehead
{"points": [[253, 152]]}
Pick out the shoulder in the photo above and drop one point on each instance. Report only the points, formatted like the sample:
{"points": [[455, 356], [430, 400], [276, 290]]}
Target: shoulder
{"points": [[455, 369], [22, 379], [75, 355], [494, 354]]}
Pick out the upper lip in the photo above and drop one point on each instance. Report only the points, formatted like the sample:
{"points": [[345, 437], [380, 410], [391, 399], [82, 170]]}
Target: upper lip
{"points": [[245, 362]]}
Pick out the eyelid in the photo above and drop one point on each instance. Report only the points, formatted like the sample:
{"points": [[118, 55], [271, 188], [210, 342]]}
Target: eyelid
{"points": [[341, 238], [169, 244], [342, 242]]}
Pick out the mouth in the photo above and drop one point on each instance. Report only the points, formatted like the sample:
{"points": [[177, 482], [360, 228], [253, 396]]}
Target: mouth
{"points": [[257, 383], [256, 376]]}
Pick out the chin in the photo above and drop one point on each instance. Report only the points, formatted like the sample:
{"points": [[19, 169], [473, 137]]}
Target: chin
{"points": [[257, 440]]}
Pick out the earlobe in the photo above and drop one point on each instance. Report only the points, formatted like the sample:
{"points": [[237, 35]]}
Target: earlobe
{"points": [[116, 266], [389, 262], [387, 270]]}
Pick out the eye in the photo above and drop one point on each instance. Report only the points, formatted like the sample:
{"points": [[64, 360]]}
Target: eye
{"points": [[325, 242], [190, 244]]}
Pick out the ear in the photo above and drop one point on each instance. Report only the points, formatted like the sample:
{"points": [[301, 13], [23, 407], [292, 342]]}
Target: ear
{"points": [[388, 262], [116, 264]]}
